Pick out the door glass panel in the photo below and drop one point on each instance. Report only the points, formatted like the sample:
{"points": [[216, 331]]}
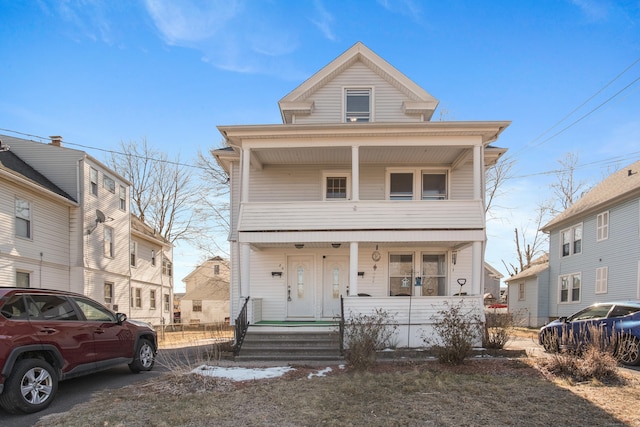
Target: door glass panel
{"points": [[336, 282], [300, 281], [433, 270]]}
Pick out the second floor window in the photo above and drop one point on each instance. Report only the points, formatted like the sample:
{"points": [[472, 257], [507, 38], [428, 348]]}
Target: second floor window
{"points": [[571, 240], [434, 186], [401, 186], [153, 257], [108, 242], [132, 253], [357, 105], [167, 267], [601, 280], [94, 181], [123, 198], [109, 183], [23, 218], [417, 184]]}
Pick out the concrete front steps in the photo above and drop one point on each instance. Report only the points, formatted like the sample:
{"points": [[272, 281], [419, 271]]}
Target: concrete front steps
{"points": [[290, 344]]}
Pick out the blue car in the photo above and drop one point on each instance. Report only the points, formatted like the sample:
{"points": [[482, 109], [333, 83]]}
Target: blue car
{"points": [[619, 323]]}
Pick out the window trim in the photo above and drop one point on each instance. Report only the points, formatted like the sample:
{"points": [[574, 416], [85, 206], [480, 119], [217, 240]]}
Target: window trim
{"points": [[152, 299], [122, 204], [345, 113], [27, 275], [112, 183], [423, 276], [29, 220], [133, 253], [411, 276], [336, 174], [198, 306], [166, 302], [136, 297], [572, 240], [602, 226], [522, 291], [571, 280], [110, 286]]}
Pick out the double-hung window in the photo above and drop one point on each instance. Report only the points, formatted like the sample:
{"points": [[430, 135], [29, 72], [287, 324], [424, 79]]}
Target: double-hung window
{"points": [[570, 285], [417, 185], [133, 249], [108, 293], [123, 198], [94, 181], [571, 240], [109, 248], [23, 218], [358, 105], [336, 185], [152, 299], [603, 226], [109, 183]]}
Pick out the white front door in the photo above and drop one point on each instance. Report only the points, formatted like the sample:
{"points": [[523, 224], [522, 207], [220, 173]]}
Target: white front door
{"points": [[300, 286], [335, 278]]}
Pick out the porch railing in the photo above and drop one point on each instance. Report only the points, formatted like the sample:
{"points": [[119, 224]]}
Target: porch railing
{"points": [[242, 324], [341, 325]]}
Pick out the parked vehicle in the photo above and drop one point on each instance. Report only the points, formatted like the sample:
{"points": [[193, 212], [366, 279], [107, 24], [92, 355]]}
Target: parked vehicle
{"points": [[617, 322], [48, 336]]}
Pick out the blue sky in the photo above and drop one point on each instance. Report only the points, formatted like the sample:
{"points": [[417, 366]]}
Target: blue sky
{"points": [[99, 72]]}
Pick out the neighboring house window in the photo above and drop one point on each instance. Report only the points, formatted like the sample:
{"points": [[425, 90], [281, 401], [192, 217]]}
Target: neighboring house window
{"points": [[434, 186], [23, 218], [401, 186], [166, 302], [123, 198], [152, 299], [94, 181], [571, 240], [434, 277], [601, 280], [216, 269], [570, 288], [153, 257], [108, 293], [521, 292], [197, 305], [603, 226], [108, 242], [136, 297], [400, 274], [23, 279], [167, 268], [109, 184], [357, 105], [132, 253]]}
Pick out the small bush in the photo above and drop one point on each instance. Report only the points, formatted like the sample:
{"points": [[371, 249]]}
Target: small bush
{"points": [[457, 328], [498, 329], [365, 334]]}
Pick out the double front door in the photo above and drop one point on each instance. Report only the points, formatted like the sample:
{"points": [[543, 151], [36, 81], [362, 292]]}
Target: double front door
{"points": [[302, 291]]}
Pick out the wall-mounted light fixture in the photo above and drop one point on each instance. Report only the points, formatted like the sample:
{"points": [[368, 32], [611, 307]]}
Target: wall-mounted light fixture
{"points": [[360, 273], [454, 257], [299, 245], [335, 245], [276, 274]]}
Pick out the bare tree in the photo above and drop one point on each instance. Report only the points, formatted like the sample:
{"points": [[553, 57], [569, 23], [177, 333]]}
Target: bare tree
{"points": [[528, 249], [161, 190], [496, 176], [567, 189]]}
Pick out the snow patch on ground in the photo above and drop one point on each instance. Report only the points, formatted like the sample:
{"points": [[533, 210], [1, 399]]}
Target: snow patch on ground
{"points": [[242, 374]]}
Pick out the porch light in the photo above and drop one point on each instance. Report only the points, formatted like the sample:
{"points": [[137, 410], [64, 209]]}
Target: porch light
{"points": [[299, 245], [335, 245], [360, 273]]}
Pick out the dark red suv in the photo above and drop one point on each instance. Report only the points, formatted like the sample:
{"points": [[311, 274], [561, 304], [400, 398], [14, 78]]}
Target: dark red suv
{"points": [[48, 336]]}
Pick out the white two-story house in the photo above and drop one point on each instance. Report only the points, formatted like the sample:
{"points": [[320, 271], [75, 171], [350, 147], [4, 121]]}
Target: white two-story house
{"points": [[67, 225], [358, 197]]}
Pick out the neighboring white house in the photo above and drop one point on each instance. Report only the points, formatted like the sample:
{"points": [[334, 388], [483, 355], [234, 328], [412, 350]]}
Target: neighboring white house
{"points": [[206, 299], [594, 246], [528, 294], [491, 284], [81, 234], [358, 193]]}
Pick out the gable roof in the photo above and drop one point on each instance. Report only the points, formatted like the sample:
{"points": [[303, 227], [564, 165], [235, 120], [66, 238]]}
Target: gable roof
{"points": [[15, 166], [618, 187], [143, 230], [296, 102], [537, 266]]}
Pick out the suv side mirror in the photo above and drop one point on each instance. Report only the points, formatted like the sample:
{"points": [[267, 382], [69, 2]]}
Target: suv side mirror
{"points": [[563, 319], [121, 318]]}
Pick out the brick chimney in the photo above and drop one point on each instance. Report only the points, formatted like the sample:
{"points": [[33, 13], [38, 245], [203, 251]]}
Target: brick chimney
{"points": [[56, 141]]}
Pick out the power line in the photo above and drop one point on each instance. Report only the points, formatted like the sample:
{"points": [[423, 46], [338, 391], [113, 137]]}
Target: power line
{"points": [[108, 151]]}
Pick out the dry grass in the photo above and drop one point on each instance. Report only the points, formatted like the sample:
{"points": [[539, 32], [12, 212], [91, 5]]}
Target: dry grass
{"points": [[480, 392]]}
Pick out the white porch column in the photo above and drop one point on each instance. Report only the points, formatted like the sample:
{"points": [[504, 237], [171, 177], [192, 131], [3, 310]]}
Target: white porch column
{"points": [[353, 268], [355, 173], [478, 173], [476, 269], [245, 254], [246, 168]]}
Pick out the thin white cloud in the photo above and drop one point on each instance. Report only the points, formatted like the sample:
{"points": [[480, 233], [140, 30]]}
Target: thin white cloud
{"points": [[84, 19], [403, 7], [595, 10], [324, 21]]}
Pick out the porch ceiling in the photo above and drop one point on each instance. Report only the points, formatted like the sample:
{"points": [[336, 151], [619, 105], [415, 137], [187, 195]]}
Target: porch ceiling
{"points": [[457, 245]]}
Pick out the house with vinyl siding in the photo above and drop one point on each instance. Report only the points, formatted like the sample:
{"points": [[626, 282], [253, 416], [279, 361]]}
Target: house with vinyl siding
{"points": [[594, 246], [83, 243], [206, 298], [528, 294], [358, 201]]}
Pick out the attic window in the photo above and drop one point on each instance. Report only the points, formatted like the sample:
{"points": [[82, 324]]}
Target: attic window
{"points": [[358, 105]]}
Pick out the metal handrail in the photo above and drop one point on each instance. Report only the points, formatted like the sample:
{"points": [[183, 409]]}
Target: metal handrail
{"points": [[341, 325], [241, 326]]}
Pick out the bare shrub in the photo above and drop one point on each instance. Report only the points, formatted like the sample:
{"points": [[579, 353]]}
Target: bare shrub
{"points": [[457, 329], [365, 334], [498, 329]]}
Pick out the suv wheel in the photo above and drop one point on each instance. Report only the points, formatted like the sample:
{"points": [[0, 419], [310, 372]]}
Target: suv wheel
{"points": [[31, 387], [144, 357]]}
